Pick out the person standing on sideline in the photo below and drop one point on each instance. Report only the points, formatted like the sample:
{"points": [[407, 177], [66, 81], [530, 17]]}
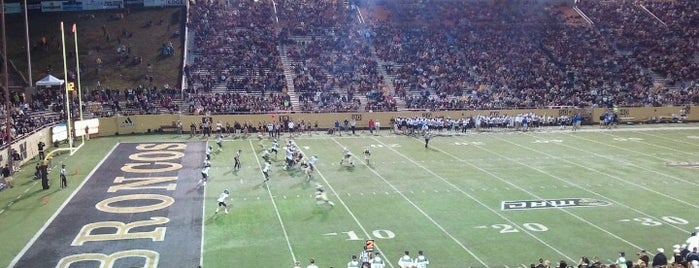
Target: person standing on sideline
{"points": [[406, 261], [428, 136], [7, 175], [353, 263], [192, 130], [222, 202], [371, 126], [64, 181], [377, 261], [659, 260], [353, 126], [237, 165], [312, 264], [621, 261], [421, 261], [41, 146]]}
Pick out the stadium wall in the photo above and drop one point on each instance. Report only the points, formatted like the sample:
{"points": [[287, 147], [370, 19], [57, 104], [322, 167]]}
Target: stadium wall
{"points": [[135, 124], [27, 147]]}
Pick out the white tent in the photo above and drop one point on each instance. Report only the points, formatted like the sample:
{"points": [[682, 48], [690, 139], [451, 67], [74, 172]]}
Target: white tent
{"points": [[49, 81]]}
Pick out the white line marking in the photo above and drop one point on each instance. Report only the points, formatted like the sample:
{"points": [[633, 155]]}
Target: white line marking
{"points": [[672, 140], [27, 190], [348, 209], [422, 211], [2, 211], [455, 187], [607, 175], [203, 220], [46, 224], [627, 162], [276, 210], [568, 182], [655, 145]]}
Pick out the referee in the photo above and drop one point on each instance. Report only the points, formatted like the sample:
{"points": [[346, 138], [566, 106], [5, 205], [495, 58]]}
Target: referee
{"points": [[64, 181]]}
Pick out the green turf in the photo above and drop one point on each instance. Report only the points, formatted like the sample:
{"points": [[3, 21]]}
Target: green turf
{"points": [[445, 200]]}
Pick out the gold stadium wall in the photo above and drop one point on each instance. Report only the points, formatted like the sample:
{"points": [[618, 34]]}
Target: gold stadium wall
{"points": [[150, 123]]}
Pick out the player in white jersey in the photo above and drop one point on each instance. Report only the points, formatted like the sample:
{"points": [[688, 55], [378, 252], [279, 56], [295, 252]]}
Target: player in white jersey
{"points": [[421, 261], [265, 156], [222, 202], [377, 261], [204, 174], [266, 170], [275, 148], [406, 261], [367, 156], [209, 150], [346, 158], [289, 157], [311, 166], [219, 142], [322, 197], [353, 263]]}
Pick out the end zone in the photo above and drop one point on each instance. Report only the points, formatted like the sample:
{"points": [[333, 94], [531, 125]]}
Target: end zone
{"points": [[135, 209]]}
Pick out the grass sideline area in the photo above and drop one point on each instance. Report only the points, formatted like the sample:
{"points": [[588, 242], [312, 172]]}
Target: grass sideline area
{"points": [[142, 38], [637, 187]]}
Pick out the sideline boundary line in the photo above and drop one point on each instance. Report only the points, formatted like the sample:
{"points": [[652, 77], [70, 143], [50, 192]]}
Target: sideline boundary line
{"points": [[58, 211]]}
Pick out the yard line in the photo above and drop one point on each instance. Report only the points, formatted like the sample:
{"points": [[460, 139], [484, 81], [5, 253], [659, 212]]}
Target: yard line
{"points": [[655, 145], [418, 208], [276, 209], [626, 162], [317, 170], [475, 199], [577, 186], [605, 174], [534, 195], [664, 138]]}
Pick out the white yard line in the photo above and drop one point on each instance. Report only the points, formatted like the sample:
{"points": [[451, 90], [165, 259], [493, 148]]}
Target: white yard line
{"points": [[625, 162], [535, 196], [317, 170], [455, 187], [606, 174], [418, 208], [655, 145], [664, 138], [274, 203], [58, 211], [501, 156]]}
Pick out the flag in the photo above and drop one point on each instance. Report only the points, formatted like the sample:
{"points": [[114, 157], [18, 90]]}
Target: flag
{"points": [[72, 30]]}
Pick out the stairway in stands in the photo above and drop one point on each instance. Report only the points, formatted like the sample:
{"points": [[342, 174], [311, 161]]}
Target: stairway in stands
{"points": [[289, 76]]}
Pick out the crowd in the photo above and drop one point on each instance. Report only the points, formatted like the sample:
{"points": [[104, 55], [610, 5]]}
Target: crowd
{"points": [[449, 54], [330, 53], [235, 44]]}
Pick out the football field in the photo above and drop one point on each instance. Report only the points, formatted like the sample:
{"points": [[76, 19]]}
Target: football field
{"points": [[480, 199], [490, 199]]}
